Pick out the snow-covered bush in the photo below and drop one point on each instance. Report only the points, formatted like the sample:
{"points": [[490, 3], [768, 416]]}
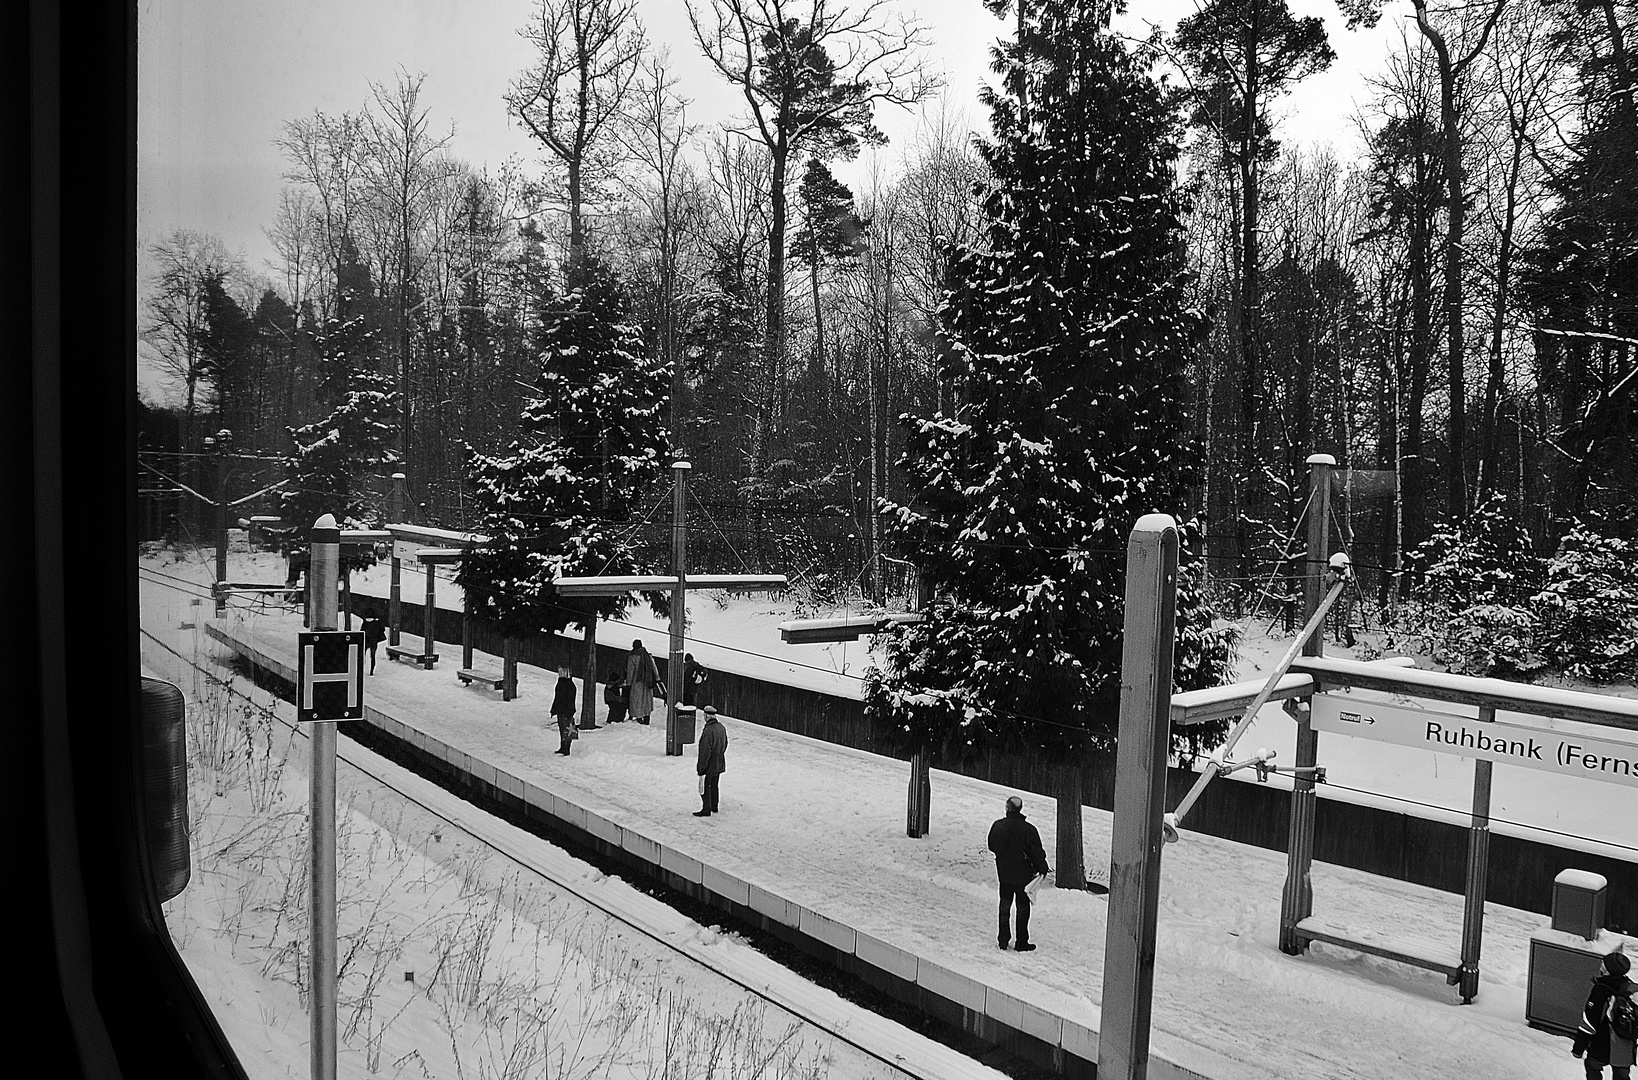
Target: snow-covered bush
{"points": [[1473, 581], [1496, 640], [1588, 610]]}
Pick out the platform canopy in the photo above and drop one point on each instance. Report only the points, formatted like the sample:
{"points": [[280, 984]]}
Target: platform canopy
{"points": [[616, 586], [439, 556], [819, 631], [364, 536]]}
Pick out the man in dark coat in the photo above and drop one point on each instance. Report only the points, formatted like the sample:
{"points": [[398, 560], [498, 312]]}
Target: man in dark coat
{"points": [[1594, 1037], [1019, 857], [563, 710], [713, 761]]}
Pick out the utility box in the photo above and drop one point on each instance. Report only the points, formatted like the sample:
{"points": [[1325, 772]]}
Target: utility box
{"points": [[238, 540], [1578, 902]]}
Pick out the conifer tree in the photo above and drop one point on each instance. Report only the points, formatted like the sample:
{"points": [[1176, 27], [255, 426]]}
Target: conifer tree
{"points": [[355, 437], [1069, 334], [594, 445]]}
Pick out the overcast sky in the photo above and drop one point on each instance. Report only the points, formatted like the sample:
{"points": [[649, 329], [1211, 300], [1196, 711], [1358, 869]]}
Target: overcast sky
{"points": [[217, 80]]}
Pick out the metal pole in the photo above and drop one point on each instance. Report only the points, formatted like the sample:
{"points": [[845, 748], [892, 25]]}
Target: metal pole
{"points": [[679, 543], [429, 615], [322, 569], [1478, 870], [1297, 897], [399, 508], [1141, 752], [221, 519]]}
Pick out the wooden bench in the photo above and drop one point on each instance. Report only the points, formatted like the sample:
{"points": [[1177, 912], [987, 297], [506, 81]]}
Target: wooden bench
{"points": [[426, 660], [1417, 954], [488, 678]]}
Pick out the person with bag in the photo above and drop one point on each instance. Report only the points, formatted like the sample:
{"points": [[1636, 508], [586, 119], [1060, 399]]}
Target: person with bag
{"points": [[695, 677], [563, 709], [1019, 859], [1608, 1032], [642, 675], [713, 762], [614, 696]]}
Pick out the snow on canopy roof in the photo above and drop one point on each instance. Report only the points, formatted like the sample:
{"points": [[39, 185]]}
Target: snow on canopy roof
{"points": [[852, 628], [616, 585]]}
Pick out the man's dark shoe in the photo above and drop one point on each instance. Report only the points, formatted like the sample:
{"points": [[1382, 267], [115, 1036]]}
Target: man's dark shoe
{"points": [[702, 813], [1026, 946], [1003, 944]]}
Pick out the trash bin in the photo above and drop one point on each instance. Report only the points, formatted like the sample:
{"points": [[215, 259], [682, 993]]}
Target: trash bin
{"points": [[1568, 955], [685, 724]]}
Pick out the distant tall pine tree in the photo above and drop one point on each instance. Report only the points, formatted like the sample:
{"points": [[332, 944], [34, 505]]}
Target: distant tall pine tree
{"points": [[555, 504], [1070, 335], [356, 437]]}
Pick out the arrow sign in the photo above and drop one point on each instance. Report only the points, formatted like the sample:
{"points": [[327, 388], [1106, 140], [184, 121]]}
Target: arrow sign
{"points": [[330, 675]]}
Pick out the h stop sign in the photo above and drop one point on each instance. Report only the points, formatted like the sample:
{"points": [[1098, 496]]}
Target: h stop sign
{"points": [[330, 675]]}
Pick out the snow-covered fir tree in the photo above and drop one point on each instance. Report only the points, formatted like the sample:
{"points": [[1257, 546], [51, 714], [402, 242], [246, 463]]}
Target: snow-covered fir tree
{"points": [[1069, 334], [556, 503], [357, 436]]}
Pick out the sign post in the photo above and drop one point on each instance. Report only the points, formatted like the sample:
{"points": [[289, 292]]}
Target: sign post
{"points": [[320, 684], [1141, 750]]}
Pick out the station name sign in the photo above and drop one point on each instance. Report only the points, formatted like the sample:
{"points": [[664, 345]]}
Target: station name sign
{"points": [[1509, 744]]}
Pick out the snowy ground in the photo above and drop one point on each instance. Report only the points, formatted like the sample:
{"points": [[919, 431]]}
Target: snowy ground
{"points": [[824, 826]]}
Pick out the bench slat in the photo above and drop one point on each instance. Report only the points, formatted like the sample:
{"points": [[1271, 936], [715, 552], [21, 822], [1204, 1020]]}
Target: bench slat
{"points": [[1417, 954], [470, 675]]}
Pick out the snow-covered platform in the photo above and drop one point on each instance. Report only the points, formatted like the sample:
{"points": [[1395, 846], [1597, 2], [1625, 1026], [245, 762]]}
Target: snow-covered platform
{"points": [[811, 840]]}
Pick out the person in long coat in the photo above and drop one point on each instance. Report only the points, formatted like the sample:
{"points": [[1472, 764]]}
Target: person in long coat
{"points": [[641, 675], [713, 762]]}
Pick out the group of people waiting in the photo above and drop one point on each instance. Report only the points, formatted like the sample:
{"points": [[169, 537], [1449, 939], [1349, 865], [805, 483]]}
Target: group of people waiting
{"points": [[629, 694], [635, 695]]}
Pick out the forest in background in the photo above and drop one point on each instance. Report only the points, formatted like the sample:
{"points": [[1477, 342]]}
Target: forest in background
{"points": [[1451, 315]]}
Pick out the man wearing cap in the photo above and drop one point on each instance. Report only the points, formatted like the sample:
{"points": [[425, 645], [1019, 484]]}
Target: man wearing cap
{"points": [[713, 761], [1595, 1037], [1019, 857]]}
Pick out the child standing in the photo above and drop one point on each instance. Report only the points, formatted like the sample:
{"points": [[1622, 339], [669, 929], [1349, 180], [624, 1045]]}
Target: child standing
{"points": [[614, 694], [375, 632], [563, 709]]}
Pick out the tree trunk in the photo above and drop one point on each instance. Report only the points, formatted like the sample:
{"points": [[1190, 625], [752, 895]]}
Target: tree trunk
{"points": [[1251, 375], [588, 682], [1071, 861]]}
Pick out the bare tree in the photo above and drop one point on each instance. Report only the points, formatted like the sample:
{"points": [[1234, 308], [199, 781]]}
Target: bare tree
{"points": [[408, 173], [578, 91], [185, 262], [326, 154], [812, 73], [1451, 72], [658, 132]]}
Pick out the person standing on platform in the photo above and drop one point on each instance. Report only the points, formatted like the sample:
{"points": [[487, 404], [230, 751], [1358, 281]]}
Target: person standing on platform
{"points": [[1606, 1034], [713, 762], [641, 677], [695, 678], [614, 696], [563, 709], [1019, 858], [375, 632]]}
